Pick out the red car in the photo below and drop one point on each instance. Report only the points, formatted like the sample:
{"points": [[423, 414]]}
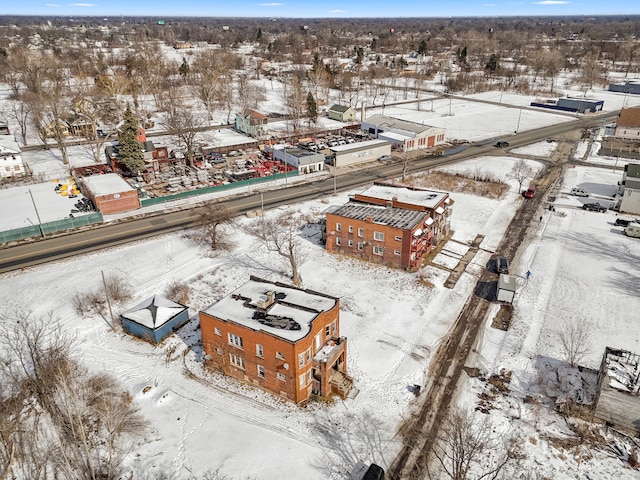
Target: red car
{"points": [[531, 191]]}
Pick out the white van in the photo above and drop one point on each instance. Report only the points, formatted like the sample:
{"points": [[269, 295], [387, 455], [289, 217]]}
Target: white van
{"points": [[579, 192], [632, 230]]}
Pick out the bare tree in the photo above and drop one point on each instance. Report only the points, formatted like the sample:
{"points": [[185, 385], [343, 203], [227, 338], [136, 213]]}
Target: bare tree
{"points": [[67, 423], [20, 111], [295, 101], [574, 341], [279, 234], [213, 218], [184, 123], [466, 448], [520, 171]]}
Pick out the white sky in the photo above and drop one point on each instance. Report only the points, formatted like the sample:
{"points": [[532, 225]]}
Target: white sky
{"points": [[581, 265]]}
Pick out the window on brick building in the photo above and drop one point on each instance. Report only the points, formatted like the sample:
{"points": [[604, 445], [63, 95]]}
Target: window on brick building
{"points": [[260, 371], [338, 227], [360, 245], [280, 355], [301, 359], [361, 232], [378, 250], [397, 252], [398, 238], [281, 376], [236, 360], [350, 228], [217, 331], [379, 236], [235, 340], [351, 243], [338, 241], [259, 350]]}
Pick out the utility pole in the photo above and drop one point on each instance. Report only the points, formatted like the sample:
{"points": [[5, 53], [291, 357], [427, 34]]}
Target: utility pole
{"points": [[106, 295], [519, 117], [37, 214]]}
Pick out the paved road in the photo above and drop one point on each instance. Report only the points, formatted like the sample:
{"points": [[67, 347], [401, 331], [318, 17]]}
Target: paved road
{"points": [[41, 250]]}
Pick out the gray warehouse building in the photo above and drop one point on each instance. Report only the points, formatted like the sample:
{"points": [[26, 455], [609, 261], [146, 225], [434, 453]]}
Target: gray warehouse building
{"points": [[359, 152]]}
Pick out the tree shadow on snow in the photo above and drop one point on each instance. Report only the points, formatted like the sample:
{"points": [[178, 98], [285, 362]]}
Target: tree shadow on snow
{"points": [[625, 281], [346, 439]]}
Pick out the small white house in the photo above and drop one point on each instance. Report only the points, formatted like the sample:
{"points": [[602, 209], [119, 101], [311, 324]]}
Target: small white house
{"points": [[10, 160], [507, 287]]}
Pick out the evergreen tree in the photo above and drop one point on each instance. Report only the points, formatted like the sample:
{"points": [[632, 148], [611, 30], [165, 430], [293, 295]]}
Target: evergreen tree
{"points": [[312, 108], [422, 48], [129, 147], [259, 34], [492, 65]]}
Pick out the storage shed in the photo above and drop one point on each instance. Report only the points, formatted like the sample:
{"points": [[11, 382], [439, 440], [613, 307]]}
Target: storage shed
{"points": [[154, 319], [507, 287], [360, 152], [110, 193]]}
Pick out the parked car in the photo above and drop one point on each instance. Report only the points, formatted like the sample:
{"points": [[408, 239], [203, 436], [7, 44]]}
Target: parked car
{"points": [[502, 144], [622, 222], [594, 207], [351, 140], [579, 192], [322, 145], [385, 158], [530, 192], [333, 143], [502, 264]]}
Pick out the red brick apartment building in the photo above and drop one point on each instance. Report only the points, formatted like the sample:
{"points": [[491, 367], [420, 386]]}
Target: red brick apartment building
{"points": [[280, 338], [390, 224]]}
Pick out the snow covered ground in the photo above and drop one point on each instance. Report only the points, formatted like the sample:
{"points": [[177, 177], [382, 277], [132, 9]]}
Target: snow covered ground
{"points": [[582, 269]]}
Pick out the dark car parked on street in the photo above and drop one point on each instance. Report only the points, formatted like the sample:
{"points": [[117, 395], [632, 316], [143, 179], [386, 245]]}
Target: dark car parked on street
{"points": [[594, 207], [502, 144], [502, 265]]}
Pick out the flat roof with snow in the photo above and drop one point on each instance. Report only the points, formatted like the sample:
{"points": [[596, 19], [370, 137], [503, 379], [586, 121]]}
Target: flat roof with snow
{"points": [[389, 122], [354, 147], [107, 184], [289, 317], [425, 198]]}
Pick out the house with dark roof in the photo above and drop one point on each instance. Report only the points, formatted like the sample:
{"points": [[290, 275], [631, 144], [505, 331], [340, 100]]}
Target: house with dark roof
{"points": [[283, 339], [389, 224], [251, 123], [155, 318], [342, 113]]}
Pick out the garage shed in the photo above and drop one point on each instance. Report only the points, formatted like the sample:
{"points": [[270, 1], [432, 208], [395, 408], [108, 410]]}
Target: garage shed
{"points": [[110, 193], [155, 318]]}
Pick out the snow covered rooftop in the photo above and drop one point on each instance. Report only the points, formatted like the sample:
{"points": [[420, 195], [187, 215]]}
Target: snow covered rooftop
{"points": [[393, 217], [394, 123], [290, 316], [8, 146], [107, 184], [354, 147], [425, 198], [154, 312]]}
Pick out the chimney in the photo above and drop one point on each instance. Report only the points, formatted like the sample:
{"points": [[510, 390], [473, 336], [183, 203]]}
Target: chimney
{"points": [[266, 300]]}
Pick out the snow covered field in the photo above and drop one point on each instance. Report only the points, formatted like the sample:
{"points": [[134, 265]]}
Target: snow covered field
{"points": [[582, 267]]}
